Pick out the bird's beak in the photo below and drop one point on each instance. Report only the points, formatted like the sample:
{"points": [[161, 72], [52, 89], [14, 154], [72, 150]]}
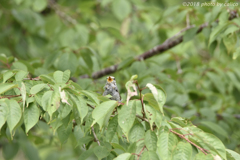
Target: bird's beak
{"points": [[109, 79]]}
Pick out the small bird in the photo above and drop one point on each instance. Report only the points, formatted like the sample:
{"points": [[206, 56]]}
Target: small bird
{"points": [[112, 89]]}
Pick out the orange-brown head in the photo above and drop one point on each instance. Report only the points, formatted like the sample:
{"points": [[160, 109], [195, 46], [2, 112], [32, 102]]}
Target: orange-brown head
{"points": [[110, 79]]}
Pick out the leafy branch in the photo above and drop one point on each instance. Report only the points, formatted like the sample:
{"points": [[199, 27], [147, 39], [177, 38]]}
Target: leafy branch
{"points": [[166, 45]]}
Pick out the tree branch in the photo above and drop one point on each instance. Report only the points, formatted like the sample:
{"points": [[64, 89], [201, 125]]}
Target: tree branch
{"points": [[168, 44], [95, 136]]}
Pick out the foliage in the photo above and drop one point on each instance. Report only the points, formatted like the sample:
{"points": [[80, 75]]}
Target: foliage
{"points": [[47, 107]]}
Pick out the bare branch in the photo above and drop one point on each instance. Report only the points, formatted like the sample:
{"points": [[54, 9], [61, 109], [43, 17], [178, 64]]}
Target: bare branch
{"points": [[95, 136]]}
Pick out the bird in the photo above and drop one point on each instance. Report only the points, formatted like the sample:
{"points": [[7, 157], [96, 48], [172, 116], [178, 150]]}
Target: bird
{"points": [[112, 89]]}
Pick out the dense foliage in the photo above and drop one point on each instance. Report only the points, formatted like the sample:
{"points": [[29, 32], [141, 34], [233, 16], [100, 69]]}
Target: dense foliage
{"points": [[184, 103]]}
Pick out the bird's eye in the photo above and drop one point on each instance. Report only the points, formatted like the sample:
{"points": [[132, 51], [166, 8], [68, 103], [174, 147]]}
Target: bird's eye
{"points": [[114, 78]]}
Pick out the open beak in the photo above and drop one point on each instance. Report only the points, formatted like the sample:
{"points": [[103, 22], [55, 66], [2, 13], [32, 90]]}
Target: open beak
{"points": [[109, 79]]}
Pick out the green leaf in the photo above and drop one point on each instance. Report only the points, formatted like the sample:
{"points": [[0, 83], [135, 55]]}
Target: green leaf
{"points": [[23, 93], [201, 156], [54, 103], [236, 53], [126, 117], [68, 61], [150, 140], [14, 114], [230, 42], [131, 88], [215, 127], [126, 63], [136, 133], [30, 116], [216, 31], [124, 156], [37, 88], [101, 152], [64, 132], [190, 34], [39, 5], [7, 75], [159, 95], [167, 141], [180, 121], [3, 113], [20, 75], [91, 96], [117, 146], [234, 154], [20, 65], [61, 77], [121, 8], [151, 114], [86, 154], [112, 128], [48, 79], [183, 151], [81, 106], [7, 86], [210, 142], [46, 99], [102, 112], [149, 155], [216, 80]]}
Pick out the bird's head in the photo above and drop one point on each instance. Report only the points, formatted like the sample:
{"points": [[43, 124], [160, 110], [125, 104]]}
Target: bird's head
{"points": [[110, 79]]}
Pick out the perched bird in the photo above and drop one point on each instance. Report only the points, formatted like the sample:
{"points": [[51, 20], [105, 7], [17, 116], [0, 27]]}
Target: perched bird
{"points": [[112, 89]]}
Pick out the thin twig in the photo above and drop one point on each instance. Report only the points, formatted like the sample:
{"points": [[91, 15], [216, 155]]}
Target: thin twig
{"points": [[183, 137], [95, 136], [144, 119], [91, 106], [139, 154], [141, 97], [50, 87]]}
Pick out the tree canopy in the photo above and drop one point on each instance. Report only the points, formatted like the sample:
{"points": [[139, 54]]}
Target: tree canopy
{"points": [[176, 64]]}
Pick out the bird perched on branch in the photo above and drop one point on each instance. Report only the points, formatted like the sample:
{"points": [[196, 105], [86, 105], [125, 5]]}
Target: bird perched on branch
{"points": [[112, 89]]}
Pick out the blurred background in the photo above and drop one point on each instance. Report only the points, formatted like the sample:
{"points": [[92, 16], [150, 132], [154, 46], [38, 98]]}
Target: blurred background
{"points": [[201, 79]]}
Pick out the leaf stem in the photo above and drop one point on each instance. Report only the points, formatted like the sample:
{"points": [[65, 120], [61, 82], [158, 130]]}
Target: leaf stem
{"points": [[141, 97]]}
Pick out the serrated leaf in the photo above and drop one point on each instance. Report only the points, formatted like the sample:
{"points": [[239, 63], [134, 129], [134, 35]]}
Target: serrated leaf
{"points": [[4, 87], [234, 154], [81, 105], [7, 75], [46, 99], [126, 117], [159, 95], [37, 88], [54, 103], [61, 77], [48, 79], [101, 152], [14, 114], [167, 141], [151, 114], [121, 8], [91, 96], [150, 140], [216, 31], [202, 156], [102, 112], [136, 133], [215, 127], [64, 132], [3, 113], [30, 116], [112, 128], [149, 155], [20, 75], [183, 151], [124, 156], [180, 121]]}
